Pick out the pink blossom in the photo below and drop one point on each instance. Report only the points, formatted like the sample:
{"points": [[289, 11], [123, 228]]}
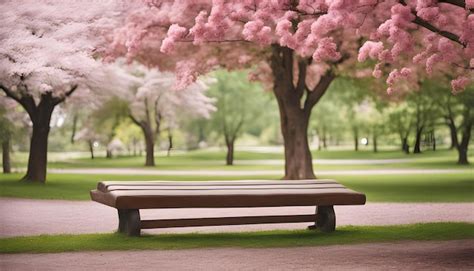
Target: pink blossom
{"points": [[377, 73], [370, 49], [469, 4], [175, 32], [327, 50], [459, 84]]}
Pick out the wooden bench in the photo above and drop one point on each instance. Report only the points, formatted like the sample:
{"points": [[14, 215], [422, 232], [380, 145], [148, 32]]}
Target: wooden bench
{"points": [[129, 197]]}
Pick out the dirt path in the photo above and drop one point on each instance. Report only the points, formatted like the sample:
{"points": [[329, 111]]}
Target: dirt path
{"points": [[33, 217], [445, 255], [329, 161], [140, 171]]}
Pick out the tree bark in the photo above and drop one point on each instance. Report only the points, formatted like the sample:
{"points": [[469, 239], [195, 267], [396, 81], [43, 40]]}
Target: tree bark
{"points": [[149, 145], [170, 143], [74, 128], [294, 127], [91, 148], [38, 156], [417, 147], [466, 137], [405, 146], [108, 154], [325, 145], [374, 138], [356, 139], [230, 152], [453, 133], [295, 108], [434, 140], [6, 155]]}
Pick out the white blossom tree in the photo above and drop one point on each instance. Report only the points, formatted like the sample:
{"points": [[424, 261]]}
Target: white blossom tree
{"points": [[49, 52], [155, 105]]}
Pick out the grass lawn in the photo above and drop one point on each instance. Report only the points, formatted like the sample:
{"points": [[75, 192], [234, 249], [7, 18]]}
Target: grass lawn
{"points": [[457, 187], [215, 160], [262, 239]]}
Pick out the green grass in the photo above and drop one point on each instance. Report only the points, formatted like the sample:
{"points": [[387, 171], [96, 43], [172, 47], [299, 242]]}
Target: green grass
{"points": [[457, 187], [263, 239], [215, 160], [413, 188]]}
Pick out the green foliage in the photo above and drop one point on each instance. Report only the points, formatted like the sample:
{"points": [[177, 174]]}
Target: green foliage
{"points": [[108, 117], [261, 239], [130, 134], [242, 106]]}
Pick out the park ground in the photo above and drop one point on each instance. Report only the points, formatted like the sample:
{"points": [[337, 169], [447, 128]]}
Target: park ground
{"points": [[420, 203]]}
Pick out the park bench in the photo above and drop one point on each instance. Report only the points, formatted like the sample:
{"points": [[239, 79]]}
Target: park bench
{"points": [[129, 197]]}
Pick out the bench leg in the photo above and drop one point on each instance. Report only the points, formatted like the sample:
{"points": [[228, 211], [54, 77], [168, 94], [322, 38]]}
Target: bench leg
{"points": [[122, 221], [129, 222], [325, 219]]}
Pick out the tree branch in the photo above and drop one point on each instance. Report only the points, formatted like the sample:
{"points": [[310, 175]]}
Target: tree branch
{"points": [[57, 101], [134, 120], [459, 3], [301, 84], [10, 93], [318, 91], [27, 102], [419, 21]]}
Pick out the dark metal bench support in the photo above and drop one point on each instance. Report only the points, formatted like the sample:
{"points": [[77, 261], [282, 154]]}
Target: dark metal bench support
{"points": [[129, 222], [325, 219]]}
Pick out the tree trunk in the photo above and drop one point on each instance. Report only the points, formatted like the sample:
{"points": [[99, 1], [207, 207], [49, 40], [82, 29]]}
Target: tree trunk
{"points": [[405, 146], [108, 153], [134, 140], [453, 133], [434, 140], [6, 155], [417, 147], [170, 143], [464, 144], [325, 145], [295, 108], [149, 145], [91, 148], [230, 152], [38, 156], [294, 127], [74, 128], [356, 139], [374, 138]]}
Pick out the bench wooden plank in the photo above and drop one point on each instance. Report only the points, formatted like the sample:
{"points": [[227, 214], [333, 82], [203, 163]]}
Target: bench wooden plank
{"points": [[224, 198], [220, 221], [222, 187], [103, 186]]}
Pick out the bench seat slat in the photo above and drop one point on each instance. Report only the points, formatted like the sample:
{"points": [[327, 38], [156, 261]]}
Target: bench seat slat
{"points": [[141, 199], [103, 186], [222, 187], [219, 221]]}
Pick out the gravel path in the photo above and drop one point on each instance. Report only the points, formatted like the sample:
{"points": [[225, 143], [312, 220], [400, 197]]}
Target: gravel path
{"points": [[33, 217], [445, 255], [139, 171], [329, 161]]}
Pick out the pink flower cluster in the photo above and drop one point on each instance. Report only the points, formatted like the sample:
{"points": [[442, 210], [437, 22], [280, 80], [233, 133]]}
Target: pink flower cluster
{"points": [[397, 34], [175, 33]]}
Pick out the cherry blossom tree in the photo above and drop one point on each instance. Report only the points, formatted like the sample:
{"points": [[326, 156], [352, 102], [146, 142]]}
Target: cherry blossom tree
{"points": [[49, 53], [299, 47], [155, 106]]}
